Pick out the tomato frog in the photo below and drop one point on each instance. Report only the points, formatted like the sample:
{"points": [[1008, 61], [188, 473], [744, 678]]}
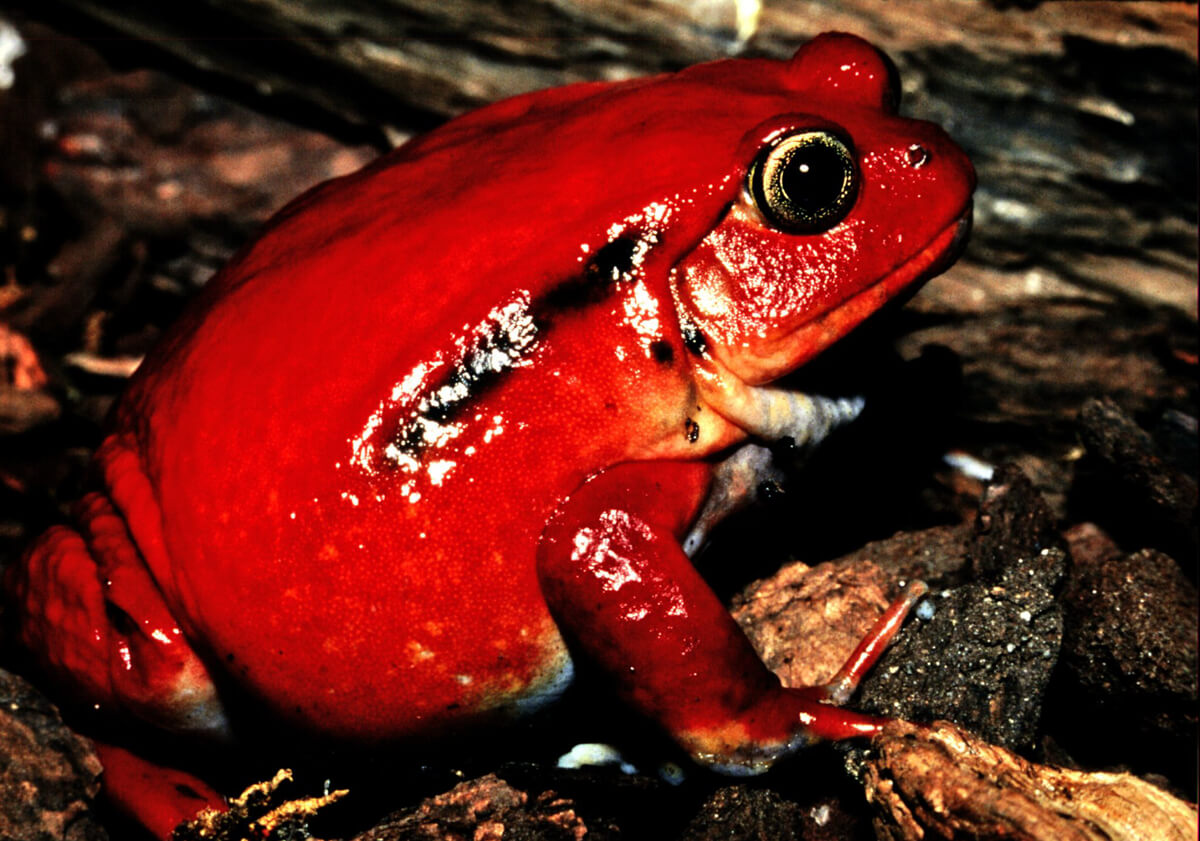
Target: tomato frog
{"points": [[451, 426]]}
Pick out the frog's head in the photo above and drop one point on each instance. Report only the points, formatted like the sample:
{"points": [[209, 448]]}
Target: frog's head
{"points": [[843, 205]]}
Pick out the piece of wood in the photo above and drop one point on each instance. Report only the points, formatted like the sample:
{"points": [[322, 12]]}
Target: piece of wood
{"points": [[941, 782]]}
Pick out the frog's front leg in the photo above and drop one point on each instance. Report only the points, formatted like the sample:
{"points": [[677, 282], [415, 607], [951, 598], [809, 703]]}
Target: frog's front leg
{"points": [[619, 585]]}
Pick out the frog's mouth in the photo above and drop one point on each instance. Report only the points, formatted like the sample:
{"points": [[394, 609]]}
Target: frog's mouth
{"points": [[772, 413], [960, 234], [905, 280]]}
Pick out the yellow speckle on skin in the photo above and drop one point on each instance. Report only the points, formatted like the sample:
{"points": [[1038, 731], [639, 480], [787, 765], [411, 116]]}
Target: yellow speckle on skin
{"points": [[418, 653]]}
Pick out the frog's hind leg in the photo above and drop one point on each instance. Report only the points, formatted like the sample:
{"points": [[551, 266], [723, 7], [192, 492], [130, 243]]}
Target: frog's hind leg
{"points": [[83, 605], [86, 607]]}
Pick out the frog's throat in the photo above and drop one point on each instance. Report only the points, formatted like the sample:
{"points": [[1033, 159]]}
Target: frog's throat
{"points": [[772, 414], [775, 414]]}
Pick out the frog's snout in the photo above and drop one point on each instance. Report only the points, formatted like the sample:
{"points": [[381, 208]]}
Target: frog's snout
{"points": [[962, 234]]}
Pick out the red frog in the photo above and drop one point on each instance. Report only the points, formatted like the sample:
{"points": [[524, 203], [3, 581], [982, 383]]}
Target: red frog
{"points": [[447, 427]]}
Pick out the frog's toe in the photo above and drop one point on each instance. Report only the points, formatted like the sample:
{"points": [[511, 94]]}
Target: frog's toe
{"points": [[84, 605], [157, 797]]}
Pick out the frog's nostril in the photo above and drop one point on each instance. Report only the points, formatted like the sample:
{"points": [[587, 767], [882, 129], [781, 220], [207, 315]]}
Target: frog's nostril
{"points": [[917, 156]]}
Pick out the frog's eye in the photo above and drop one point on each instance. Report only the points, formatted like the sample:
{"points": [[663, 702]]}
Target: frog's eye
{"points": [[805, 182]]}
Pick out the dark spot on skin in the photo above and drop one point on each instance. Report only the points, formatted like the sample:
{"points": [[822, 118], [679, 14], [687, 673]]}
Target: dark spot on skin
{"points": [[693, 339], [614, 260], [474, 374], [609, 265], [500, 344], [229, 657], [663, 352], [691, 431], [572, 294], [187, 791]]}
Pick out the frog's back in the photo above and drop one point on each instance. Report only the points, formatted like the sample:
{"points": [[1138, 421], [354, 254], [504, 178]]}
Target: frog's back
{"points": [[364, 424]]}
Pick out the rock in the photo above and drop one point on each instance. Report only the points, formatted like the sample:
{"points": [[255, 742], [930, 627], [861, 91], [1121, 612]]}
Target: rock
{"points": [[938, 554], [1131, 630], [805, 622], [488, 809], [1013, 522], [983, 660], [1126, 471], [739, 813], [986, 656], [1130, 655], [49, 776]]}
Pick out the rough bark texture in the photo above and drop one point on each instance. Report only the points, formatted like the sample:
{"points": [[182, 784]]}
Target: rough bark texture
{"points": [[804, 622], [1075, 150], [1125, 461], [943, 782]]}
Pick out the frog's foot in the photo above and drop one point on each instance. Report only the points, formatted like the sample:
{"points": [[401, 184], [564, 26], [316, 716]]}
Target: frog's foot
{"points": [[159, 798], [621, 588], [870, 648], [771, 414], [749, 743], [85, 606], [737, 482]]}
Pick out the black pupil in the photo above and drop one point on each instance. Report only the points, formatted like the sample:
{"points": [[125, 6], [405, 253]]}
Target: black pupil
{"points": [[813, 177]]}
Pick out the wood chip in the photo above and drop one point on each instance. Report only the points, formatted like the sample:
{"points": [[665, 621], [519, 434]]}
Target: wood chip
{"points": [[941, 782]]}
